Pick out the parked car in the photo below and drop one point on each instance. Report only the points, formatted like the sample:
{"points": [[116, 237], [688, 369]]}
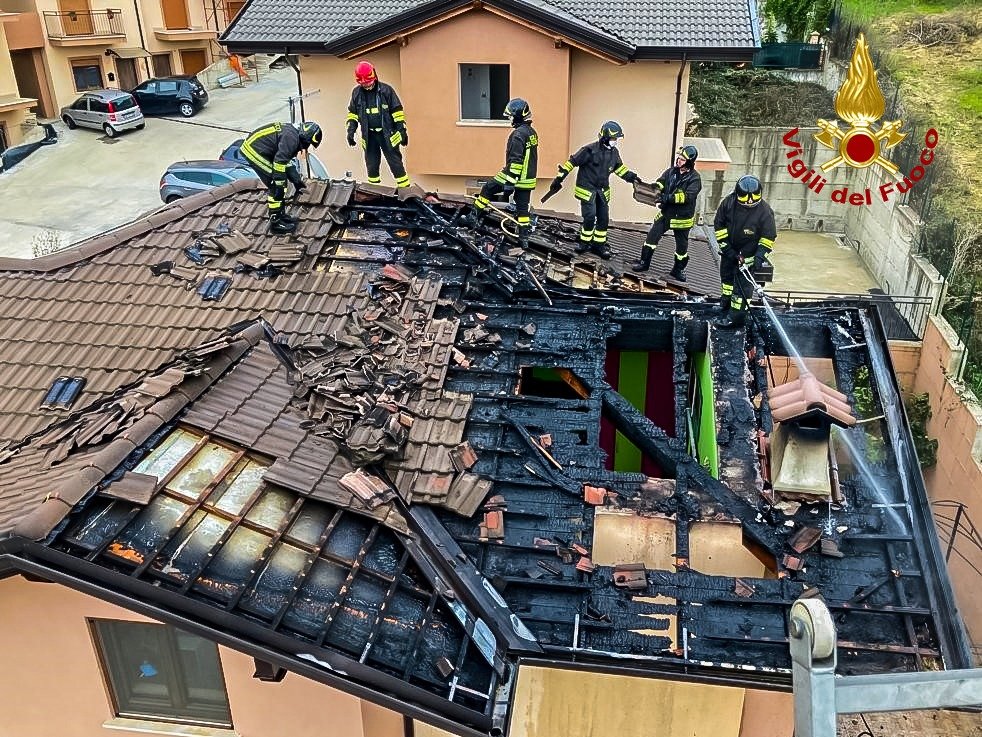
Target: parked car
{"points": [[317, 169], [184, 178], [182, 94], [112, 111]]}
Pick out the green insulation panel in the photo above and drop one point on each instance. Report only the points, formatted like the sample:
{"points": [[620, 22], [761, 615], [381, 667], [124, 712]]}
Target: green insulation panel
{"points": [[632, 382], [704, 414]]}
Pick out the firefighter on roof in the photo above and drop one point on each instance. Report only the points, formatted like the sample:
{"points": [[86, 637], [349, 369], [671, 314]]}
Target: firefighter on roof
{"points": [[596, 162], [517, 176], [745, 231], [376, 108], [679, 186], [271, 151]]}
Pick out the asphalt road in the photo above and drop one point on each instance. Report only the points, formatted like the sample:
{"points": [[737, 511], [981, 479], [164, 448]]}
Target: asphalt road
{"points": [[86, 183]]}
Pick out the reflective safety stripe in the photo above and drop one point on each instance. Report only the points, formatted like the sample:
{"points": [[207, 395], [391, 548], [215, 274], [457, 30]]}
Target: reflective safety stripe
{"points": [[722, 233], [621, 170], [582, 194], [600, 236], [399, 116], [375, 180], [566, 166], [525, 184], [515, 167], [726, 289], [396, 138], [371, 110], [279, 168], [402, 181], [607, 194], [256, 159], [364, 144], [586, 234], [739, 304], [524, 220], [767, 243], [681, 257], [482, 202], [273, 204], [652, 246], [351, 118], [679, 198], [681, 222], [504, 178]]}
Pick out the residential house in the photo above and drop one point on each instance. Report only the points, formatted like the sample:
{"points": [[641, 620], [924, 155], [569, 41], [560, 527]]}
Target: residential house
{"points": [[64, 47], [438, 474], [13, 106], [455, 64]]}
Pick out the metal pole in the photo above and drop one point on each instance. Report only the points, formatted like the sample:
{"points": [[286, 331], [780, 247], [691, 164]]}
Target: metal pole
{"points": [[954, 531]]}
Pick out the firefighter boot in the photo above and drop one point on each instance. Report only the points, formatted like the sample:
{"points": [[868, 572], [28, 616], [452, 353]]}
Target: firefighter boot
{"points": [[583, 244], [288, 218], [644, 263], [602, 250], [279, 225], [523, 237], [678, 269], [734, 319], [724, 304]]}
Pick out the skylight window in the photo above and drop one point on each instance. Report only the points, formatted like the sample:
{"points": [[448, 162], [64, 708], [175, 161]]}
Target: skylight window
{"points": [[63, 392]]}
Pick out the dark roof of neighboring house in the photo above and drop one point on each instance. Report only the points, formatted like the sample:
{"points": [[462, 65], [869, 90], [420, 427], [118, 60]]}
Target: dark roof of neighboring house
{"points": [[702, 29]]}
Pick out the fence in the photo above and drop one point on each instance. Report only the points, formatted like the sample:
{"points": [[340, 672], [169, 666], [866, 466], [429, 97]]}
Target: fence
{"points": [[904, 317], [78, 23], [789, 56]]}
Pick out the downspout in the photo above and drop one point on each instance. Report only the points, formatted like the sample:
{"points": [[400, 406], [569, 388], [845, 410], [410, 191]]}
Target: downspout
{"points": [[143, 43], [678, 104]]}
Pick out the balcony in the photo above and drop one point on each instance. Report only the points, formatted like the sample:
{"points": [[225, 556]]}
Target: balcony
{"points": [[196, 33], [83, 27]]}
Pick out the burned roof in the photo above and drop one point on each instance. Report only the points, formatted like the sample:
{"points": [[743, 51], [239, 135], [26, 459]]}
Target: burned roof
{"points": [[701, 29], [390, 428]]}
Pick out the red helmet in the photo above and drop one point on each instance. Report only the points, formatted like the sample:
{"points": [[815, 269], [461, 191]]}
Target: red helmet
{"points": [[365, 74]]}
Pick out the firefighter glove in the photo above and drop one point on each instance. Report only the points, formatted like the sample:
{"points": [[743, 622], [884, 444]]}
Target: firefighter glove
{"points": [[666, 198], [630, 177], [351, 138], [300, 188], [405, 136], [760, 257]]}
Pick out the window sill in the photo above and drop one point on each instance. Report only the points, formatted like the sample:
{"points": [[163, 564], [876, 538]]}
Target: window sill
{"points": [[484, 123], [170, 728]]}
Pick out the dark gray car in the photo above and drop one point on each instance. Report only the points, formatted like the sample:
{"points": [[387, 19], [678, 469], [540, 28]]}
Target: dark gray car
{"points": [[185, 178], [111, 111]]}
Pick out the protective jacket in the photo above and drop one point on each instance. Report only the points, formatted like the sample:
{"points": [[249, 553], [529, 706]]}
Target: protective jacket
{"points": [[378, 109], [595, 163], [682, 189], [273, 148], [745, 231], [521, 158]]}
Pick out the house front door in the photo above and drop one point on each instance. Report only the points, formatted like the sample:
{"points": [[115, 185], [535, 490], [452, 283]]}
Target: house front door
{"points": [[126, 72], [175, 14]]}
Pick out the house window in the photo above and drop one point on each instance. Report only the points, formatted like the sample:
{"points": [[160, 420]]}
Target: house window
{"points": [[162, 65], [87, 74], [157, 672], [483, 91]]}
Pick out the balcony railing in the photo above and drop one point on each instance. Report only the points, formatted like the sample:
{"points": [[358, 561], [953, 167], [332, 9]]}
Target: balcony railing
{"points": [[83, 23]]}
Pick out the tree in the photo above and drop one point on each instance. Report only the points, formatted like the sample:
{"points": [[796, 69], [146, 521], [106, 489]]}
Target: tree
{"points": [[800, 17]]}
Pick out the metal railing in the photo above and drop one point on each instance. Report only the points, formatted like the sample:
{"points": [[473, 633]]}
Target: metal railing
{"points": [[904, 316], [83, 23], [789, 56]]}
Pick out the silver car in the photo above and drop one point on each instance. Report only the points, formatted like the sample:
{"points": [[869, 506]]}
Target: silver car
{"points": [[185, 178], [111, 111]]}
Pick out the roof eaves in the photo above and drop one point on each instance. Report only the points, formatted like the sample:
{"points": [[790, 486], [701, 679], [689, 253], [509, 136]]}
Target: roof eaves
{"points": [[103, 242], [696, 53]]}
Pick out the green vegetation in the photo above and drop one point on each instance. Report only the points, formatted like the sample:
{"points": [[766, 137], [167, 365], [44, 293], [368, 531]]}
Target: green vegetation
{"points": [[918, 408], [870, 9], [799, 17]]}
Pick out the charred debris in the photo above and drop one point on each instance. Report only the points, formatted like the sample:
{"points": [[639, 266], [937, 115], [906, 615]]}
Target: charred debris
{"points": [[502, 431]]}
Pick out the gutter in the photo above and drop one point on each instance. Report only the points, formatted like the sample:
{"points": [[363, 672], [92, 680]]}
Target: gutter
{"points": [[678, 105]]}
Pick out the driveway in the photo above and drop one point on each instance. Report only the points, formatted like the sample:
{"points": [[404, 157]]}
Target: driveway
{"points": [[86, 183]]}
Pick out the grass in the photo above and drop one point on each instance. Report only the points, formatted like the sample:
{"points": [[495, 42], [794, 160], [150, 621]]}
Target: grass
{"points": [[869, 10], [970, 98]]}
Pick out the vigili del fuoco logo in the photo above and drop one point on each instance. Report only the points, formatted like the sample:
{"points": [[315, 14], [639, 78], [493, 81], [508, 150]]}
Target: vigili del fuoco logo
{"points": [[859, 103]]}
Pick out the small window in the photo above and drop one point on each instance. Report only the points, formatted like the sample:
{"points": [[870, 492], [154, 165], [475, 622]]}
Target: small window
{"points": [[157, 672], [87, 74], [166, 87], [98, 106], [484, 91], [198, 177], [124, 102], [81, 103], [63, 392]]}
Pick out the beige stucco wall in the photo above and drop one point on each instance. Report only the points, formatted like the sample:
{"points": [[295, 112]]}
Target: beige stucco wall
{"points": [[571, 93], [51, 683], [956, 422], [11, 119]]}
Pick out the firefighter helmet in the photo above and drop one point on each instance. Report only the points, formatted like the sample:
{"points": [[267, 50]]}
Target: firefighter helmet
{"points": [[518, 110], [365, 74], [748, 190], [311, 134], [610, 131], [688, 154]]}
